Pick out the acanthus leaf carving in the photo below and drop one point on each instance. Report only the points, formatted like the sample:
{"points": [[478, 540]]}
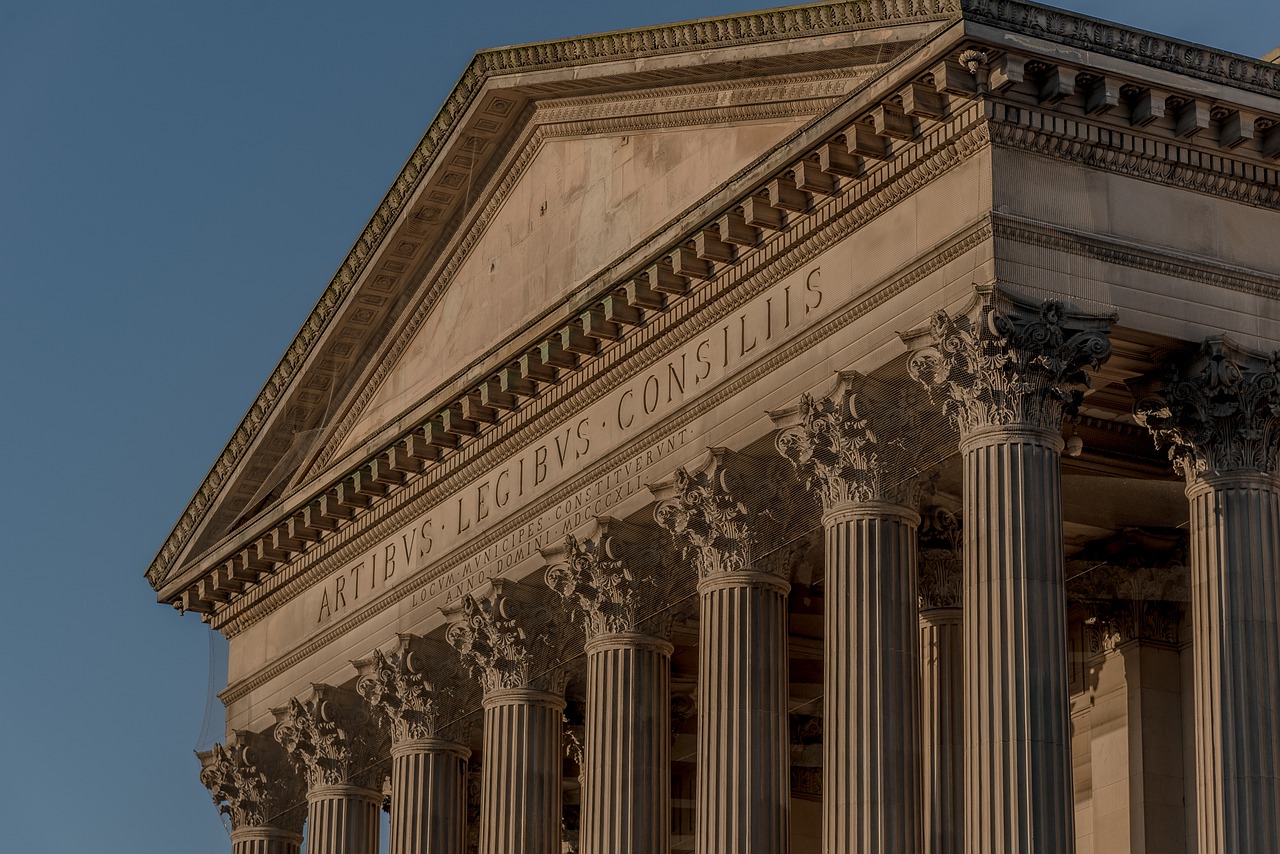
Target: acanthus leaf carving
{"points": [[252, 783], [701, 508], [1131, 586], [615, 582], [507, 639], [941, 559], [1218, 413], [1008, 362], [859, 443], [420, 690], [330, 738]]}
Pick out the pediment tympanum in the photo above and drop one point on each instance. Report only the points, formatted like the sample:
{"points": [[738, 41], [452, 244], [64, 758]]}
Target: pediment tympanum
{"points": [[581, 202]]}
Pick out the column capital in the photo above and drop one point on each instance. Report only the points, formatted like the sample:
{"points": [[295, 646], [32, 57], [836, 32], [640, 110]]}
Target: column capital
{"points": [[705, 508], [941, 542], [509, 639], [614, 582], [1008, 361], [420, 688], [253, 783], [859, 443], [330, 738], [1131, 587], [1216, 413]]}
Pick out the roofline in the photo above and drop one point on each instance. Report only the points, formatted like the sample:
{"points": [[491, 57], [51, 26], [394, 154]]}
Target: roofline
{"points": [[827, 17], [820, 18]]}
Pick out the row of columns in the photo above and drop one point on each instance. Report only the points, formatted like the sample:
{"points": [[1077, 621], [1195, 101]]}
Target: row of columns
{"points": [[986, 656]]}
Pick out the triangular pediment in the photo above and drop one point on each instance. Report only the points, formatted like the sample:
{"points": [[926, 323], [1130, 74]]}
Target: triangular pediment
{"points": [[581, 202], [547, 164]]}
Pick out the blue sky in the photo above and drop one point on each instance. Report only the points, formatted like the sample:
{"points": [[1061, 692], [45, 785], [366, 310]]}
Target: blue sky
{"points": [[178, 182]]}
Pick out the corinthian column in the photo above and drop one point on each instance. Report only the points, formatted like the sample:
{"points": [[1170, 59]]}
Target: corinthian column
{"points": [[331, 740], [1006, 372], [422, 692], [941, 683], [252, 783], [508, 641], [1219, 417], [743, 790], [626, 764], [856, 449]]}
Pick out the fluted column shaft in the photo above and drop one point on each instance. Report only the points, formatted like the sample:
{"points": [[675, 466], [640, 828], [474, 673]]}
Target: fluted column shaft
{"points": [[743, 783], [265, 840], [942, 729], [428, 797], [342, 819], [1235, 601], [871, 752], [626, 788], [1017, 725], [520, 803]]}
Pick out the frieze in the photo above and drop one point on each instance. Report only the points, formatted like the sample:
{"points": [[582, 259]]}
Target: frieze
{"points": [[942, 255]]}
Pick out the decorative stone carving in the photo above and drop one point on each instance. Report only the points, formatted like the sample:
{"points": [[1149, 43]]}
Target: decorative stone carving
{"points": [[1220, 412], [703, 509], [419, 688], [1008, 362], [859, 443], [330, 739], [252, 783], [615, 582], [1132, 587], [941, 559], [508, 639]]}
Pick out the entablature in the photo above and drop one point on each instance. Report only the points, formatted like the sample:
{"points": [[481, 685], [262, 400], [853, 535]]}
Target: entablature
{"points": [[948, 100]]}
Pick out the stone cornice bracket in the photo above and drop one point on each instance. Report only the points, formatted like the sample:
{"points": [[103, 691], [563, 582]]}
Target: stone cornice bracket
{"points": [[702, 508], [859, 443], [508, 639], [329, 738], [253, 783], [1218, 413], [614, 582], [420, 688], [941, 543], [1007, 361]]}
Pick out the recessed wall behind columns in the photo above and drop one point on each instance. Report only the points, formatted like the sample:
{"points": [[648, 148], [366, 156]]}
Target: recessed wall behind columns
{"points": [[847, 306], [1171, 261]]}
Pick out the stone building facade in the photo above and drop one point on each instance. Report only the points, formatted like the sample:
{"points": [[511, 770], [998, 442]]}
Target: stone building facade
{"points": [[844, 428]]}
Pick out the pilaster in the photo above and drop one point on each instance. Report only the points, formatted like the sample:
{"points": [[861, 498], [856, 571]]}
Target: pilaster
{"points": [[420, 689], [253, 784], [333, 743], [511, 642], [1218, 415], [857, 447], [622, 602], [743, 754], [1006, 372], [941, 681]]}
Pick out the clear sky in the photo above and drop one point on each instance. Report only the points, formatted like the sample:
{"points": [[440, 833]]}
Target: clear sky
{"points": [[178, 182]]}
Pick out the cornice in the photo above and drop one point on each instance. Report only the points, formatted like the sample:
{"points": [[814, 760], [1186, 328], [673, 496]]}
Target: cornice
{"points": [[1124, 42], [816, 20]]}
